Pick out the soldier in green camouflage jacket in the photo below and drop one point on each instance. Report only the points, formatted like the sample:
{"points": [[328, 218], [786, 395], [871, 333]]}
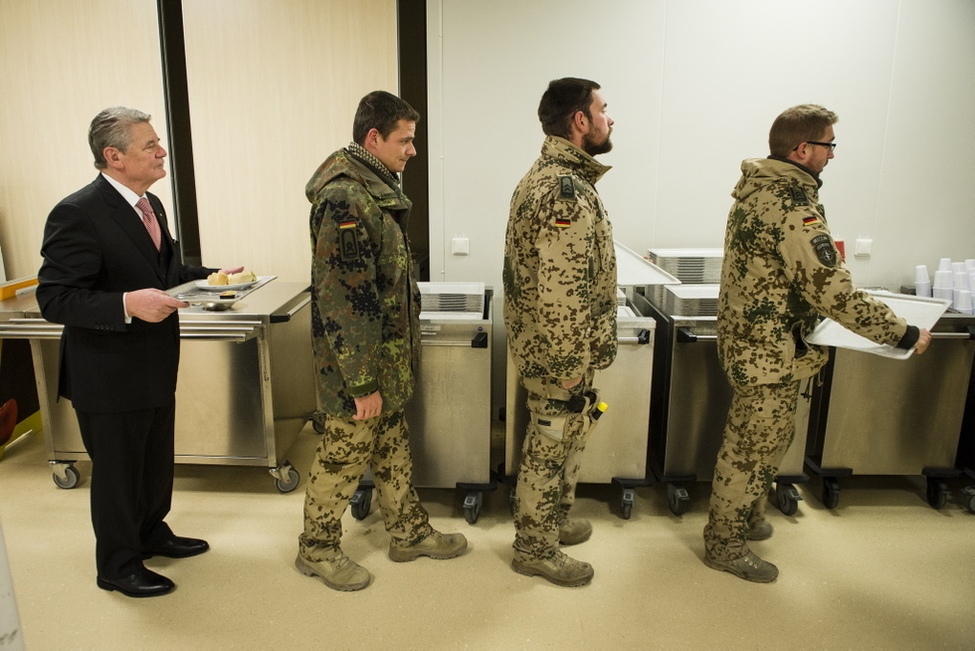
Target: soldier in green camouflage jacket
{"points": [[365, 335], [781, 272], [560, 315]]}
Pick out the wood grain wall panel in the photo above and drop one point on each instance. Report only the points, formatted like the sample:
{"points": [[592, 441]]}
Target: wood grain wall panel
{"points": [[61, 62], [273, 88]]}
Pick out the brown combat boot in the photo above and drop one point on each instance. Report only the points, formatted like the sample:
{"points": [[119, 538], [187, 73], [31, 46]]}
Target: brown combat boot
{"points": [[749, 567], [760, 530], [573, 532], [437, 545], [559, 569], [338, 571]]}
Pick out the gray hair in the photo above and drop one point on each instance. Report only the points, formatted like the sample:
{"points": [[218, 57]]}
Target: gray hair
{"points": [[110, 128]]}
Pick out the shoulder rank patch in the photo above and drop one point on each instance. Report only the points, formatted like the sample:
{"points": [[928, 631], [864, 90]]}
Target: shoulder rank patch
{"points": [[567, 189], [799, 197], [348, 239], [825, 250]]}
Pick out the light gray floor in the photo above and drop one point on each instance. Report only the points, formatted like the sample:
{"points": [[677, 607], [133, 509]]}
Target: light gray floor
{"points": [[882, 571]]}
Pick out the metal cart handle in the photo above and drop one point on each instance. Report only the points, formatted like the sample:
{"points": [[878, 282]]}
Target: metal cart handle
{"points": [[219, 330], [685, 336], [223, 331], [642, 337], [954, 335]]}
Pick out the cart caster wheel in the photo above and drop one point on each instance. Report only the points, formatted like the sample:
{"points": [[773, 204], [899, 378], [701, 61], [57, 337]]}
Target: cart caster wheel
{"points": [[831, 492], [472, 506], [626, 503], [360, 503], [677, 499], [937, 492], [969, 493], [787, 498], [290, 483], [71, 478]]}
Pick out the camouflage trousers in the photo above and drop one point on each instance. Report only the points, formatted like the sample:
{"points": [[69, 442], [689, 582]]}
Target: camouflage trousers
{"points": [[760, 427], [347, 448], [549, 470]]}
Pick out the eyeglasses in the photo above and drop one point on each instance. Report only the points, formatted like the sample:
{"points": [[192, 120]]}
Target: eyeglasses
{"points": [[831, 145]]}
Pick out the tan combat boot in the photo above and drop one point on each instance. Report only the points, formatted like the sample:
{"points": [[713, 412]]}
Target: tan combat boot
{"points": [[437, 545], [559, 569], [573, 532], [338, 572], [749, 567], [759, 530]]}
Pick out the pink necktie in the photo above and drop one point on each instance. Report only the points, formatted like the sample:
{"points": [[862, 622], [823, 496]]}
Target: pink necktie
{"points": [[149, 219]]}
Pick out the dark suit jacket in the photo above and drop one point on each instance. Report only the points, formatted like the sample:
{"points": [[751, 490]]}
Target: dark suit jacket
{"points": [[95, 248]]}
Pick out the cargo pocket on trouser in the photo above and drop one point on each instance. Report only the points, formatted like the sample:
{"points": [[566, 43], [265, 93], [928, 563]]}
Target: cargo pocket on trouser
{"points": [[553, 427]]}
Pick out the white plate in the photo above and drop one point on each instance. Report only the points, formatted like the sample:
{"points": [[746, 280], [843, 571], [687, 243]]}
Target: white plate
{"points": [[206, 286]]}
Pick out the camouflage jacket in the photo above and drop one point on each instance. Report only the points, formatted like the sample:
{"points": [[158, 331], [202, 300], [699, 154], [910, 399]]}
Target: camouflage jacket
{"points": [[781, 271], [560, 268], [365, 300]]}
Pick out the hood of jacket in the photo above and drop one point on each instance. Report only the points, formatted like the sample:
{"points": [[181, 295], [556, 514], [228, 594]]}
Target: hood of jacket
{"points": [[757, 173], [342, 164]]}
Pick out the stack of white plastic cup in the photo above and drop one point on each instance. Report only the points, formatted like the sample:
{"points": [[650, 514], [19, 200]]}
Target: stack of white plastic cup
{"points": [[922, 281], [962, 301], [943, 284], [962, 296]]}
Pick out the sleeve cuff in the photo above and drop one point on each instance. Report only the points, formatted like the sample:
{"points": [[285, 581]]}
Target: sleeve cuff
{"points": [[364, 389], [910, 338]]}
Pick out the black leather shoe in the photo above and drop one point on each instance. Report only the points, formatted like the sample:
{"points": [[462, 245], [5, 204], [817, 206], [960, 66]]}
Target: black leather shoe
{"points": [[144, 583], [177, 547]]}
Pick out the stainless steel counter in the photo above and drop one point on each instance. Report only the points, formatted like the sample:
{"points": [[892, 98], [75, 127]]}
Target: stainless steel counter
{"points": [[616, 451], [689, 406], [880, 416], [245, 387]]}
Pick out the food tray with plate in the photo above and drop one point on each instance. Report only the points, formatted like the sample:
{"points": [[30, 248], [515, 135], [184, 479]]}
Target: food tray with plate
{"points": [[199, 292]]}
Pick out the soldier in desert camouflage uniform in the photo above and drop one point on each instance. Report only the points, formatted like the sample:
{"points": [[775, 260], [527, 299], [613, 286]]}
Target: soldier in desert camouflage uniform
{"points": [[560, 316], [365, 335], [781, 272]]}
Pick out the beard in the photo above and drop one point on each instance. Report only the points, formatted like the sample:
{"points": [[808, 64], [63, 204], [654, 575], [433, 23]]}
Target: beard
{"points": [[594, 147]]}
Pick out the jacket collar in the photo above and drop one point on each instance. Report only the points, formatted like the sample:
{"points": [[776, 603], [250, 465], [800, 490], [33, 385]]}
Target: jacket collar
{"points": [[584, 164]]}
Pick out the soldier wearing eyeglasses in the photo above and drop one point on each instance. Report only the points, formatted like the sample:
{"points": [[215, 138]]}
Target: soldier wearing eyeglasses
{"points": [[781, 273]]}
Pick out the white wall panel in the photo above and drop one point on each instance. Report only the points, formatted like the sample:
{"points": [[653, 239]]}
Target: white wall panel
{"points": [[61, 62], [694, 86], [273, 88]]}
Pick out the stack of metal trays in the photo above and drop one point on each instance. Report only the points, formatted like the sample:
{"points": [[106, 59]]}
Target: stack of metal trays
{"points": [[690, 300], [451, 300], [690, 265]]}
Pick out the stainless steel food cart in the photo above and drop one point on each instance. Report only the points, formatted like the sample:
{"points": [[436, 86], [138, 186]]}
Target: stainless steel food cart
{"points": [[616, 453], [245, 387], [880, 416], [691, 398], [450, 413]]}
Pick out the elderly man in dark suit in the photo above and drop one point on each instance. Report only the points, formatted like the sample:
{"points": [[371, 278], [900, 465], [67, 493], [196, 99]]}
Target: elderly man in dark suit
{"points": [[108, 257]]}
